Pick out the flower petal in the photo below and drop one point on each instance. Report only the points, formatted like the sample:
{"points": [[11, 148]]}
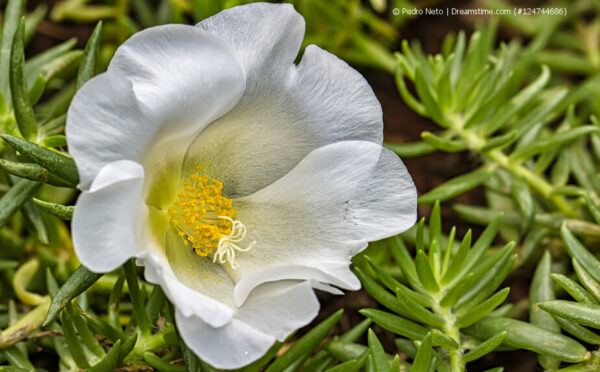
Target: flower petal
{"points": [[272, 311], [168, 81], [266, 37], [107, 218], [184, 76], [279, 308], [350, 192], [189, 302], [232, 346], [287, 111]]}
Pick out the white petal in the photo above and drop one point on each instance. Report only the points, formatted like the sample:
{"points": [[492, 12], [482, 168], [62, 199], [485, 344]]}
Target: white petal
{"points": [[189, 302], [322, 212], [105, 124], [185, 77], [287, 111], [272, 311], [167, 82], [279, 308], [231, 346], [198, 273], [266, 37], [107, 218]]}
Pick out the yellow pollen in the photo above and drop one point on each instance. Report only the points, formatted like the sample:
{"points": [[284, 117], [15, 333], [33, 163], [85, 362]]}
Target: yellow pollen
{"points": [[204, 219]]}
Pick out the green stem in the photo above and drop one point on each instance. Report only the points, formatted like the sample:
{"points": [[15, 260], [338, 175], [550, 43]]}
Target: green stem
{"points": [[457, 364], [476, 143]]}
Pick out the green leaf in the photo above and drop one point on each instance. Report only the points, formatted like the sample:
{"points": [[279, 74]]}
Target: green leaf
{"points": [[419, 312], [37, 90], [555, 141], [61, 165], [36, 65], [586, 279], [58, 210], [345, 350], [523, 198], [137, 300], [456, 186], [407, 96], [88, 63], [458, 260], [428, 97], [527, 336], [425, 273], [435, 225], [467, 316], [423, 358], [34, 217], [443, 144], [380, 358], [75, 345], [18, 87], [483, 242], [54, 141], [579, 331], [517, 102], [354, 365], [100, 326], [381, 295], [51, 283], [500, 141], [457, 291], [110, 361], [395, 324], [440, 339], [574, 289], [33, 172], [592, 207], [410, 150], [160, 364], [392, 284], [19, 194], [11, 19], [78, 282], [86, 336], [18, 358], [576, 250], [306, 344], [24, 326], [33, 20], [541, 290], [489, 275], [404, 260], [128, 345], [585, 314], [61, 66], [485, 347]]}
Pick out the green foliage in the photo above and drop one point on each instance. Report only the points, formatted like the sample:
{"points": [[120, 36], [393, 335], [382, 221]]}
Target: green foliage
{"points": [[528, 113], [445, 290]]}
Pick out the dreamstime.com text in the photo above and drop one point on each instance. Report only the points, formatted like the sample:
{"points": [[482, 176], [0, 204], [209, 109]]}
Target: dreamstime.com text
{"points": [[516, 11]]}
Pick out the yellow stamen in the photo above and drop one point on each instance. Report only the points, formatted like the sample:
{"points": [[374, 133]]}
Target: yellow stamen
{"points": [[204, 219]]}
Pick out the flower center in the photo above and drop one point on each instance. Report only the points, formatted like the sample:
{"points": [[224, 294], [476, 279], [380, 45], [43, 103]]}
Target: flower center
{"points": [[204, 219]]}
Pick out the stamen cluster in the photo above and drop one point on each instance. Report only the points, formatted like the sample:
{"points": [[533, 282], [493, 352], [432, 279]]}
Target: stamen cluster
{"points": [[197, 212]]}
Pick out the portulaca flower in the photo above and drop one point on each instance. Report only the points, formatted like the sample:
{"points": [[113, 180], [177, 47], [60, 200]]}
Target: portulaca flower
{"points": [[240, 180]]}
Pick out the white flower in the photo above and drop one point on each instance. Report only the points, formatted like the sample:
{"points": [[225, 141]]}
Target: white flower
{"points": [[239, 180]]}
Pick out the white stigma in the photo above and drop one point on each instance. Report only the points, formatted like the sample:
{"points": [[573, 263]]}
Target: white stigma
{"points": [[228, 244]]}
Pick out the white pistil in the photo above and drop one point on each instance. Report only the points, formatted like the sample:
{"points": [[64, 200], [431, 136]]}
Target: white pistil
{"points": [[227, 244]]}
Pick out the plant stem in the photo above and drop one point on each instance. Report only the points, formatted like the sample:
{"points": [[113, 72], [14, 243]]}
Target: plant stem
{"points": [[457, 364], [476, 143]]}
